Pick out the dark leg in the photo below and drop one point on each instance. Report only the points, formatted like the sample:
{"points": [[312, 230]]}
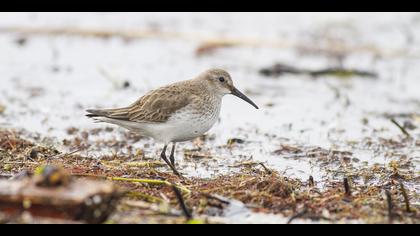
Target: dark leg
{"points": [[172, 157], [163, 156]]}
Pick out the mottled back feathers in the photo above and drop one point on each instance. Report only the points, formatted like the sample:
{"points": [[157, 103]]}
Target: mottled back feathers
{"points": [[155, 106]]}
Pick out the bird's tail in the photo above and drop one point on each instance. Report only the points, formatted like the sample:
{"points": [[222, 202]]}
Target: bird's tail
{"points": [[95, 113], [118, 117], [116, 114]]}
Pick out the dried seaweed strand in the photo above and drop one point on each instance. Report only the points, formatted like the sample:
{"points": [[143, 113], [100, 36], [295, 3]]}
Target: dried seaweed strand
{"points": [[150, 181], [406, 200], [181, 201], [390, 206], [403, 130]]}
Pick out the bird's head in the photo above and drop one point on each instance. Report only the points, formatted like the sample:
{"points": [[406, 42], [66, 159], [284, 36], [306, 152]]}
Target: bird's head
{"points": [[220, 82]]}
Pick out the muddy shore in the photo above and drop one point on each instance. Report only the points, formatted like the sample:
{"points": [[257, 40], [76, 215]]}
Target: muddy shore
{"points": [[337, 138]]}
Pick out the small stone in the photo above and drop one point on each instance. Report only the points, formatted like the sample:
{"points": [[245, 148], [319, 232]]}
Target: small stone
{"points": [[72, 130], [365, 121], [21, 41], [33, 154], [311, 181], [109, 129], [126, 84], [85, 135], [409, 125], [55, 69], [66, 142]]}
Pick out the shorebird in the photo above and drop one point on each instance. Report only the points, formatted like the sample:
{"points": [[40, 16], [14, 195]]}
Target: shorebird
{"points": [[177, 112]]}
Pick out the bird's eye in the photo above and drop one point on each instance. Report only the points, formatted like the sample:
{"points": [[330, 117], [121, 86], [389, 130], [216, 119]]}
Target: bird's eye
{"points": [[222, 79]]}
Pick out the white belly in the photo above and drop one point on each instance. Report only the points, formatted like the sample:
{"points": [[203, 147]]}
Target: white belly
{"points": [[184, 125]]}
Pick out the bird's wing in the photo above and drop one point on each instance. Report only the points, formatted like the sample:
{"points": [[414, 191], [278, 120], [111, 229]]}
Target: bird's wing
{"points": [[155, 106], [158, 105]]}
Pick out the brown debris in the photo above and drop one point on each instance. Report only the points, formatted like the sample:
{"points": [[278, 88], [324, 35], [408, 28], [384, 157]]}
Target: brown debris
{"points": [[210, 47], [85, 200], [347, 189], [403, 130], [390, 206], [260, 190], [286, 149], [281, 69], [406, 199], [311, 181]]}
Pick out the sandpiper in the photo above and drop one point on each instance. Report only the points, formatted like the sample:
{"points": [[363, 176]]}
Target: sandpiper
{"points": [[175, 113]]}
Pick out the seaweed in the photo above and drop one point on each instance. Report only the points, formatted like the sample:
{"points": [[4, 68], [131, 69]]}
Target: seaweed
{"points": [[152, 196]]}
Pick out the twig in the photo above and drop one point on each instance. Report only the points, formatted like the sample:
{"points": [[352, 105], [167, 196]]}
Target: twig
{"points": [[20, 162], [248, 163], [297, 215], [403, 130], [194, 155], [347, 188], [390, 206], [280, 69], [145, 181], [144, 164], [311, 181], [181, 201], [112, 164], [265, 168], [210, 196], [64, 155], [406, 200], [148, 197], [89, 175], [138, 204], [251, 163], [150, 181]]}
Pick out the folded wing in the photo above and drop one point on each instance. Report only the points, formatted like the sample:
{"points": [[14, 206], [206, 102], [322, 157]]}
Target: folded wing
{"points": [[155, 106]]}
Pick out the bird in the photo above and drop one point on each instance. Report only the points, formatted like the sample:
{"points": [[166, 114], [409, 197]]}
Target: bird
{"points": [[177, 112]]}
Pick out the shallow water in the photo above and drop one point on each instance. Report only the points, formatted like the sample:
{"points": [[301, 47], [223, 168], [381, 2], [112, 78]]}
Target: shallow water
{"points": [[48, 81]]}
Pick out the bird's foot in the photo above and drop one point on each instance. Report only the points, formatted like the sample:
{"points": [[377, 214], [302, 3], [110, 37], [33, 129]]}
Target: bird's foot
{"points": [[171, 165], [175, 171], [172, 159]]}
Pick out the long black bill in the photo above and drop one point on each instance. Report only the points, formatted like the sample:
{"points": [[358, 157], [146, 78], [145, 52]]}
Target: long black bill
{"points": [[243, 97]]}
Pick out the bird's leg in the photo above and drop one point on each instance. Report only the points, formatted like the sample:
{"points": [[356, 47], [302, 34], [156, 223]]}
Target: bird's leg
{"points": [[172, 157], [163, 156]]}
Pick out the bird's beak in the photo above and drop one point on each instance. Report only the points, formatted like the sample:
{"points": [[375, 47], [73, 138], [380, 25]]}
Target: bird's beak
{"points": [[242, 96]]}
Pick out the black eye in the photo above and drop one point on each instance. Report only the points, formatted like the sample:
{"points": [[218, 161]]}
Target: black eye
{"points": [[222, 79]]}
